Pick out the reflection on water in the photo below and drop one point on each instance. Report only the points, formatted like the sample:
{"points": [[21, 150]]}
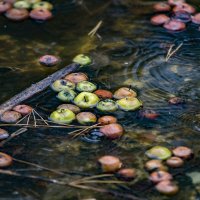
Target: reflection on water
{"points": [[130, 52]]}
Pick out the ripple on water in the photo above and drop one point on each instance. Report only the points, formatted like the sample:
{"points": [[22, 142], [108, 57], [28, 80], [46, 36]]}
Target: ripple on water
{"points": [[160, 80]]}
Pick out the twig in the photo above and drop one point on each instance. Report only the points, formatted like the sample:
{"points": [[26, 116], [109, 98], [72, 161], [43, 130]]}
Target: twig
{"points": [[71, 184], [40, 117], [85, 130], [34, 119], [37, 126], [28, 115], [68, 125], [95, 29], [13, 135], [39, 166], [49, 169], [28, 119], [114, 193], [101, 181], [170, 53], [12, 173], [93, 177]]}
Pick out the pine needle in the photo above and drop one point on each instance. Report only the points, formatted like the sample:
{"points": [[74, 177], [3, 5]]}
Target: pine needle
{"points": [[171, 52], [93, 32]]}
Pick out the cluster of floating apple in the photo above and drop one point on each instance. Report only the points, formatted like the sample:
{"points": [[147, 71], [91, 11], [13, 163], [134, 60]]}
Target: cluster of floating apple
{"points": [[18, 10], [12, 116], [179, 13], [158, 171], [112, 164], [90, 97], [75, 88]]}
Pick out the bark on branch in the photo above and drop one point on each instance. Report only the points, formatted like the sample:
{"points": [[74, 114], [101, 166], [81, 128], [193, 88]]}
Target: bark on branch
{"points": [[37, 87]]}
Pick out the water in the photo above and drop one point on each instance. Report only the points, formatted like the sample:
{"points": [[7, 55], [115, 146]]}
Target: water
{"points": [[130, 52]]}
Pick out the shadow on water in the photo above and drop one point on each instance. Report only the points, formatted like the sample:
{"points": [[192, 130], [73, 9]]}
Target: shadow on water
{"points": [[130, 52]]}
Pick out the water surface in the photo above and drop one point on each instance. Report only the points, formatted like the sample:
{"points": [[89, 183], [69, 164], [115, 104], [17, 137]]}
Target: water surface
{"points": [[130, 51]]}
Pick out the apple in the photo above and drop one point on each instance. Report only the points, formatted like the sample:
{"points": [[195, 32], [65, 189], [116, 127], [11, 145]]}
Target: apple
{"points": [[159, 152], [66, 95], [129, 103], [5, 160], [60, 85], [86, 86], [86, 118], [3, 134], [124, 92], [127, 174], [76, 77], [33, 1], [22, 5], [10, 116], [154, 165], [23, 109], [82, 59], [64, 116], [73, 108], [107, 105], [182, 152], [105, 120], [159, 176], [43, 5], [109, 163], [167, 188], [104, 94], [86, 100], [112, 131], [175, 162]]}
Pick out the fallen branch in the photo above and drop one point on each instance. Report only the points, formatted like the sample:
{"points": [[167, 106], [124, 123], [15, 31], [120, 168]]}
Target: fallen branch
{"points": [[13, 135], [71, 184], [36, 88]]}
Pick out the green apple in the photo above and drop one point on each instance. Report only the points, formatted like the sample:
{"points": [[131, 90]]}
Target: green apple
{"points": [[107, 105], [66, 95], [60, 85], [82, 59], [86, 86], [86, 100], [159, 152], [73, 108], [33, 1], [22, 5], [129, 103], [64, 116], [43, 5], [86, 118]]}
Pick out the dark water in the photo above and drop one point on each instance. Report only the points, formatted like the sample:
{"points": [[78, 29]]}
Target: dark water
{"points": [[130, 52]]}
